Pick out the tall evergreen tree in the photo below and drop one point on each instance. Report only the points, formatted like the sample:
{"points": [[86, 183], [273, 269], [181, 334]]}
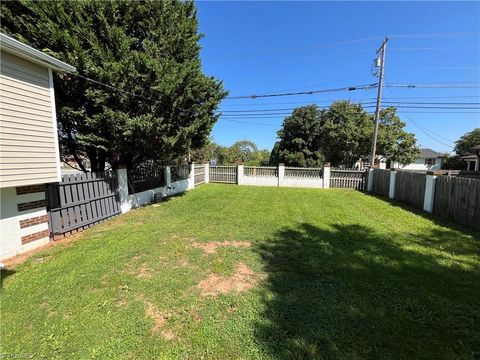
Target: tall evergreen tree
{"points": [[147, 48]]}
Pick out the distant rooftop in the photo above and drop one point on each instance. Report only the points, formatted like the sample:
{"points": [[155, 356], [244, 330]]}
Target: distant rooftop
{"points": [[429, 153]]}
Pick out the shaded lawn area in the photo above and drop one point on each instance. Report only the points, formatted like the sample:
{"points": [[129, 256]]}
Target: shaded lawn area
{"points": [[229, 272]]}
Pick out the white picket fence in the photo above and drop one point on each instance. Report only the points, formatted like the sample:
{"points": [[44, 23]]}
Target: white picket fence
{"points": [[322, 178]]}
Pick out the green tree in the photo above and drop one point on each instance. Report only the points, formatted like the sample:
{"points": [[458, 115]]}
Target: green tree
{"points": [[464, 145], [149, 49], [340, 135]]}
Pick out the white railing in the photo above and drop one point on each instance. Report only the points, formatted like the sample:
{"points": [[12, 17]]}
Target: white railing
{"points": [[199, 174], [302, 173], [260, 171], [223, 174], [349, 179]]}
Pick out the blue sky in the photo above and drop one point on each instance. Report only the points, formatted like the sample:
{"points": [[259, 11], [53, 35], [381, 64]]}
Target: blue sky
{"points": [[263, 47]]}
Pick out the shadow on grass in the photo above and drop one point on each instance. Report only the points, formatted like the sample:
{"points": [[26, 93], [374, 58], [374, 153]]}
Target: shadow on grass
{"points": [[349, 292], [4, 273], [440, 221]]}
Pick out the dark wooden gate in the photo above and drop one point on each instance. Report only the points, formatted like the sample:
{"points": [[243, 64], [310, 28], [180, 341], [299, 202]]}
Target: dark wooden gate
{"points": [[81, 200]]}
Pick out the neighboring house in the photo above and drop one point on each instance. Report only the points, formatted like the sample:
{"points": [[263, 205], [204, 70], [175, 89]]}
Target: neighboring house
{"points": [[427, 160], [29, 155], [473, 160], [364, 163]]}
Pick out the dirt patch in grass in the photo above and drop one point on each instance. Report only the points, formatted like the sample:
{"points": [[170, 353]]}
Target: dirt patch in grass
{"points": [[159, 319], [138, 270], [242, 280], [211, 247], [144, 271]]}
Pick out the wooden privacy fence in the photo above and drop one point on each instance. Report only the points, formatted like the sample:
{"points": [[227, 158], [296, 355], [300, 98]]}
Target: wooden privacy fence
{"points": [[81, 200], [410, 188], [349, 179], [199, 174], [381, 182], [223, 174], [458, 198]]}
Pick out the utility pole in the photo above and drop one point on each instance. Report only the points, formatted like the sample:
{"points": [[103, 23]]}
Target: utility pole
{"points": [[380, 57]]}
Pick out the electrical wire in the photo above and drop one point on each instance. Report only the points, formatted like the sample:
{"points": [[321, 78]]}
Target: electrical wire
{"points": [[427, 132], [434, 35], [346, 88]]}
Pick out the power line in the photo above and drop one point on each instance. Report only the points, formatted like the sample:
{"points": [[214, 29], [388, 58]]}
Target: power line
{"points": [[354, 100], [433, 86], [432, 48], [347, 88], [110, 86], [367, 104], [437, 68], [424, 130], [434, 35], [250, 123]]}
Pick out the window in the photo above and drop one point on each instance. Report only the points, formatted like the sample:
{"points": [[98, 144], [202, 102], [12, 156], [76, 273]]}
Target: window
{"points": [[430, 161]]}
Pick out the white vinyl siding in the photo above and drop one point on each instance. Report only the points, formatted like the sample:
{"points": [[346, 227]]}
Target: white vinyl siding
{"points": [[27, 126]]}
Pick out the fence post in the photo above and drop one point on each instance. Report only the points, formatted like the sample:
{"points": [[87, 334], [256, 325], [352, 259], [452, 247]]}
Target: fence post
{"points": [[370, 180], [326, 175], [281, 174], [429, 191], [207, 173], [240, 174], [391, 189], [168, 176], [122, 177], [191, 177]]}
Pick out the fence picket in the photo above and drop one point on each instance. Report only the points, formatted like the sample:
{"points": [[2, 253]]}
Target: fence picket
{"points": [[80, 200], [223, 174]]}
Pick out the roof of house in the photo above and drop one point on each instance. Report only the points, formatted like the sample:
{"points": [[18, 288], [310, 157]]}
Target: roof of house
{"points": [[429, 153], [468, 157], [22, 50]]}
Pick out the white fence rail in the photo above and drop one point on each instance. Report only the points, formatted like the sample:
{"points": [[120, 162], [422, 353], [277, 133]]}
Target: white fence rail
{"points": [[302, 173], [223, 174], [199, 174], [260, 171], [348, 179]]}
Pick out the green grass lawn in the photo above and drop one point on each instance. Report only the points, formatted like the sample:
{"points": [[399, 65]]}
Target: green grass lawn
{"points": [[230, 272]]}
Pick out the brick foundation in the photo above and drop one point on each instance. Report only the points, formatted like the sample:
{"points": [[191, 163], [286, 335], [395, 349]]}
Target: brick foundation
{"points": [[32, 205], [35, 236], [30, 189], [33, 221]]}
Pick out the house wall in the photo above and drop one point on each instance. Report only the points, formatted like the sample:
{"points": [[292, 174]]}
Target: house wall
{"points": [[23, 219], [28, 131], [419, 164]]}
